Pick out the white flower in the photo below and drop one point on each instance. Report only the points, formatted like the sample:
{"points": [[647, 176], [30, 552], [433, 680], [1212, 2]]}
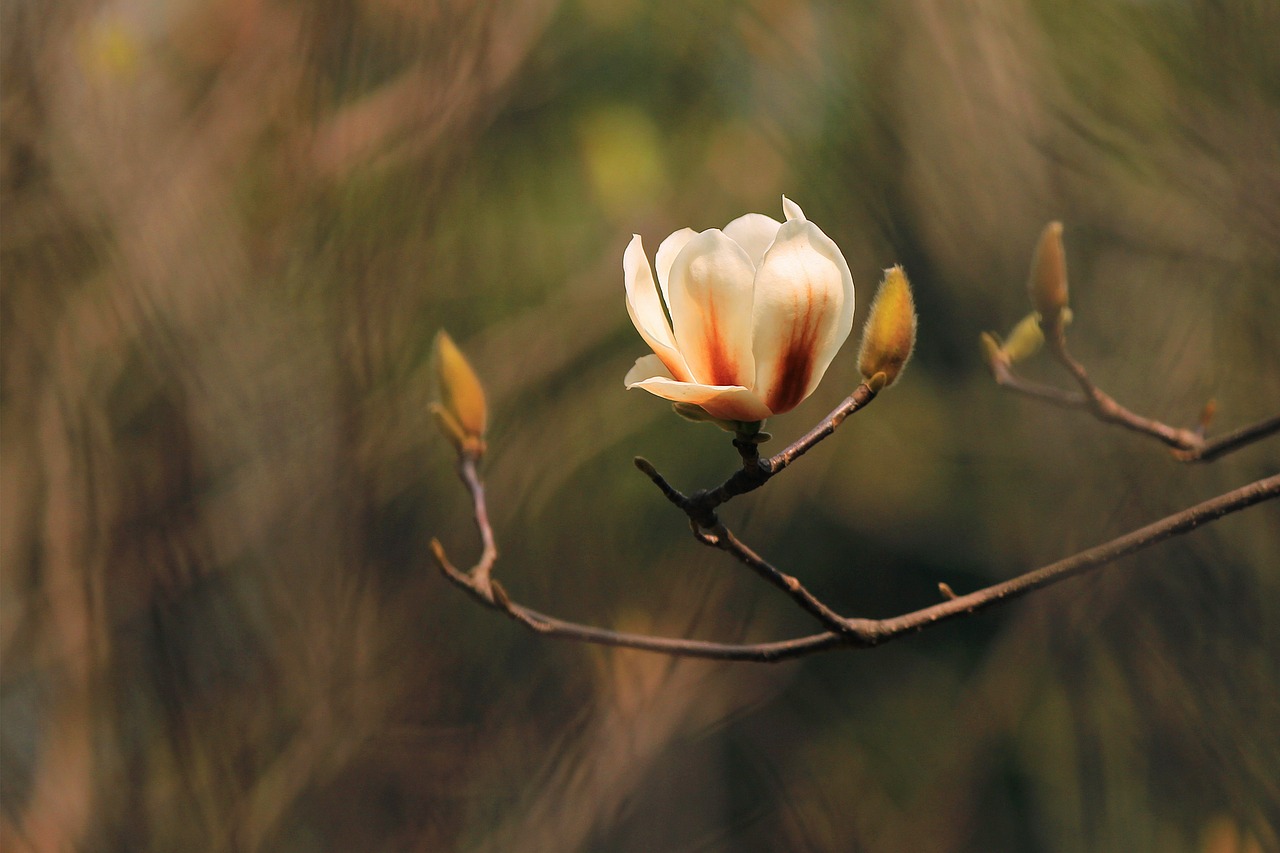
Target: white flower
{"points": [[757, 311]]}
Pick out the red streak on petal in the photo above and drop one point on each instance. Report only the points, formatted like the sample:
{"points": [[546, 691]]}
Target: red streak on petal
{"points": [[722, 367], [678, 370], [795, 367]]}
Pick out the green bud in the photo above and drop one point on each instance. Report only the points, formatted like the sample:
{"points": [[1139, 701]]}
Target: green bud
{"points": [[1025, 340]]}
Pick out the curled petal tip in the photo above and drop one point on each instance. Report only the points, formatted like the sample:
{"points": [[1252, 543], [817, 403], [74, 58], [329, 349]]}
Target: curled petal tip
{"points": [[791, 209]]}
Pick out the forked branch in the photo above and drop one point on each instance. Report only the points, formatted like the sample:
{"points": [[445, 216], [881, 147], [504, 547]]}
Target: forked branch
{"points": [[886, 346], [1047, 287], [841, 632], [1188, 445]]}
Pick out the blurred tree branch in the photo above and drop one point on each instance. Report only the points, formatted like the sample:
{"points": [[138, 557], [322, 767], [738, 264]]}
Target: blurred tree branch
{"points": [[1189, 445], [1047, 287], [840, 631]]}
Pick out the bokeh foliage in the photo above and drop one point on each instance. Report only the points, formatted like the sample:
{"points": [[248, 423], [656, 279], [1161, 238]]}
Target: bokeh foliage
{"points": [[231, 231]]}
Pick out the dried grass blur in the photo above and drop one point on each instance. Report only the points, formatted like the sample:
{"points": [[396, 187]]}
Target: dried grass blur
{"points": [[230, 231]]}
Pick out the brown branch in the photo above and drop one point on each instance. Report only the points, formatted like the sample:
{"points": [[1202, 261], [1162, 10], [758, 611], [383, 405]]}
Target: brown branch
{"points": [[549, 626], [1211, 449], [709, 530], [1188, 445], [700, 506], [1177, 524], [1004, 376], [1104, 406], [855, 633], [478, 579], [721, 537], [861, 396]]}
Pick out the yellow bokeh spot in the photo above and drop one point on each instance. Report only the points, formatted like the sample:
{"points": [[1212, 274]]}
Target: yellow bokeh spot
{"points": [[111, 50], [622, 155]]}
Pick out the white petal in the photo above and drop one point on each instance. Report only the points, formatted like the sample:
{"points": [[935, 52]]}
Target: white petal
{"points": [[646, 367], [730, 402], [753, 232], [711, 309], [803, 313], [667, 254], [791, 209], [645, 309]]}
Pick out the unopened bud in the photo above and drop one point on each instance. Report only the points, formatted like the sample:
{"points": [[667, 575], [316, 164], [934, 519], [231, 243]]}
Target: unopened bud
{"points": [[461, 412], [991, 352], [1025, 340], [1047, 285], [890, 332]]}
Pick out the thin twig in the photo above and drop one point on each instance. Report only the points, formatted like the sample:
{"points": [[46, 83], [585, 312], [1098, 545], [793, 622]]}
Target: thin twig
{"points": [[861, 396], [1234, 440], [1188, 445], [1177, 524], [707, 528], [755, 472], [550, 626], [1104, 406], [856, 633], [721, 537], [1006, 378], [669, 491], [479, 574]]}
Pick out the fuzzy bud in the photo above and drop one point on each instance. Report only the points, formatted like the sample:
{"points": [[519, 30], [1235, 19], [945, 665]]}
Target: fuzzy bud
{"points": [[1047, 285], [461, 412], [890, 332]]}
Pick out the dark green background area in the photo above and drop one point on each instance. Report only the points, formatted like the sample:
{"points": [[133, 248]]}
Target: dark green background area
{"points": [[231, 232]]}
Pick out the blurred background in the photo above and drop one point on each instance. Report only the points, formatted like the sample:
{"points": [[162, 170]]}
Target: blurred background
{"points": [[230, 232]]}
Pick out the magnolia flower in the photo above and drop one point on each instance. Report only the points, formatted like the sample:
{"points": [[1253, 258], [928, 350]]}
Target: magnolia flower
{"points": [[757, 311]]}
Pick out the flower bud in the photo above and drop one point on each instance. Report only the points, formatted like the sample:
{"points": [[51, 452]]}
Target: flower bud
{"points": [[890, 332], [461, 412], [1047, 285], [1025, 340], [991, 351]]}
